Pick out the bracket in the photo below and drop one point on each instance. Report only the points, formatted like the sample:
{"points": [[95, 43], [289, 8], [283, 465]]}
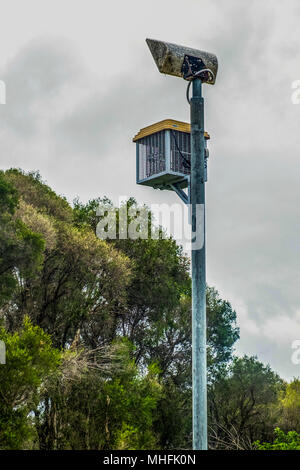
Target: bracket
{"points": [[183, 196], [186, 198]]}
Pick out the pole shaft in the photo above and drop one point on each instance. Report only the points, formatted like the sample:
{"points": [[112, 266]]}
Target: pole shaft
{"points": [[198, 269]]}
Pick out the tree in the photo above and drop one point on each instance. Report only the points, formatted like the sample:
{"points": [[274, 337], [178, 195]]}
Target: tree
{"points": [[30, 358], [20, 248], [157, 319], [289, 407], [90, 295], [241, 401], [282, 441], [158, 308], [81, 280], [105, 404], [36, 192], [76, 283]]}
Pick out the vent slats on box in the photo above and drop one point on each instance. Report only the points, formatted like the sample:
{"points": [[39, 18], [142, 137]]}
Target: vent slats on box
{"points": [[164, 154]]}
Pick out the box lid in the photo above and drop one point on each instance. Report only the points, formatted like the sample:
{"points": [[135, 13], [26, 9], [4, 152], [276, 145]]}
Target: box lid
{"points": [[163, 125]]}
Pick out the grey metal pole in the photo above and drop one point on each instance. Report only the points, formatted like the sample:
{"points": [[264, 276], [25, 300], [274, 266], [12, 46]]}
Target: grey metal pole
{"points": [[198, 269]]}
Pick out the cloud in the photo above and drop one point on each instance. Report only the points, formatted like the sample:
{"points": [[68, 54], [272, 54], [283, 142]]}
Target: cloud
{"points": [[74, 121], [35, 79]]}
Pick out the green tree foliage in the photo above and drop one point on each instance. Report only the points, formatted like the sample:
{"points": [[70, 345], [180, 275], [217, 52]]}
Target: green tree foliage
{"points": [[222, 332], [282, 441], [30, 358], [34, 191], [99, 400], [81, 282], [158, 308], [20, 248], [241, 403], [119, 311], [157, 319], [288, 408]]}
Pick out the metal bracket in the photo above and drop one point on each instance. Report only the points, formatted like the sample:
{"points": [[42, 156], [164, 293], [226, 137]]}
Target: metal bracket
{"points": [[186, 198], [191, 66], [183, 196]]}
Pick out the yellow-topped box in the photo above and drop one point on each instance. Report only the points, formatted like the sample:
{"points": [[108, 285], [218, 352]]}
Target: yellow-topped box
{"points": [[163, 154]]}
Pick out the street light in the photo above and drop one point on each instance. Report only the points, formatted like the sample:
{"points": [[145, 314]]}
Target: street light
{"points": [[197, 67], [182, 61]]}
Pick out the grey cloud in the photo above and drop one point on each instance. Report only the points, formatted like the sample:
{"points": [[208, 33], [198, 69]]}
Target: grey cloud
{"points": [[34, 77], [77, 129]]}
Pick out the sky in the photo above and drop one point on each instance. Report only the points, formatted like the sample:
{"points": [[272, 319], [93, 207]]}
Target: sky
{"points": [[80, 82]]}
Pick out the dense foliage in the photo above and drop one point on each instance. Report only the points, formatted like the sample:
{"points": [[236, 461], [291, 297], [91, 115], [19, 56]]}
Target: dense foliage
{"points": [[282, 441], [98, 337]]}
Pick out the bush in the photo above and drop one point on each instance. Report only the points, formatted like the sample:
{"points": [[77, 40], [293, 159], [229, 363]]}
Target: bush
{"points": [[282, 441]]}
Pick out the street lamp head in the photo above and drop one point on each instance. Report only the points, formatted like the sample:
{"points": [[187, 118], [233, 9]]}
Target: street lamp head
{"points": [[183, 61]]}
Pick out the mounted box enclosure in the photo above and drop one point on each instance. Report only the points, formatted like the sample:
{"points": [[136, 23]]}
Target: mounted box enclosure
{"points": [[182, 61], [163, 154]]}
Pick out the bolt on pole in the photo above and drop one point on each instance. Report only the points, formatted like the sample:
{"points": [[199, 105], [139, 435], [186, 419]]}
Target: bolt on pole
{"points": [[197, 200]]}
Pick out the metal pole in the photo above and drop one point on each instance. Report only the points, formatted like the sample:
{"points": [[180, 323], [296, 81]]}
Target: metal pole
{"points": [[198, 269]]}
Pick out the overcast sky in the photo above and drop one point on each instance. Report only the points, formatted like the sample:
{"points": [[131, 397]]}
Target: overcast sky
{"points": [[81, 82]]}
